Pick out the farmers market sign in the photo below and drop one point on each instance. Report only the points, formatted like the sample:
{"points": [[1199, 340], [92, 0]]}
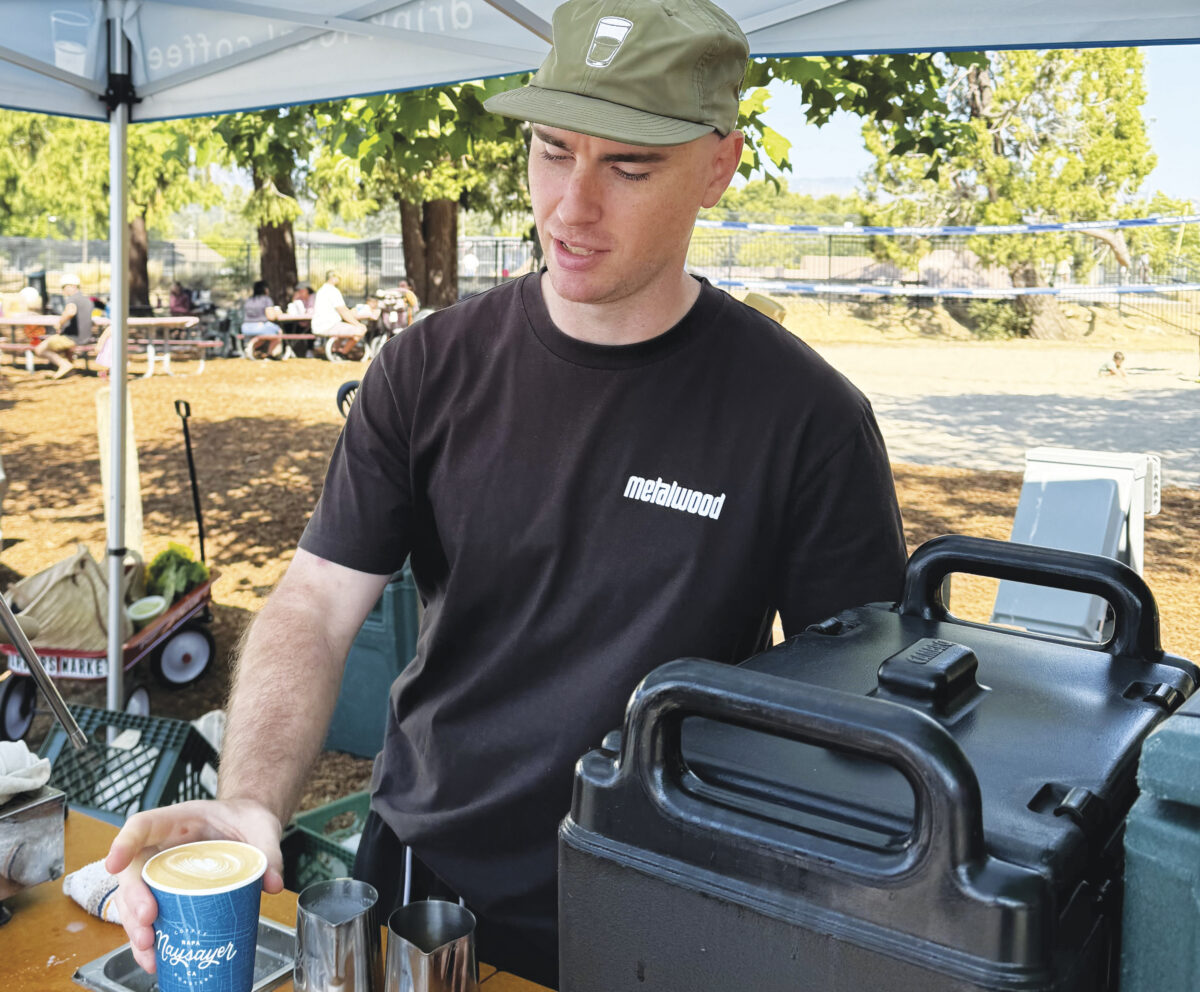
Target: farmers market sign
{"points": [[66, 666]]}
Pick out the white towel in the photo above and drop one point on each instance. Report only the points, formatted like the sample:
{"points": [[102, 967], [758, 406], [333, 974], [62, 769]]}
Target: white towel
{"points": [[20, 770], [95, 890]]}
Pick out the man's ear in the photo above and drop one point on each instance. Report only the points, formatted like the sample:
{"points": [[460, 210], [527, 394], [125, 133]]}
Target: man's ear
{"points": [[727, 155]]}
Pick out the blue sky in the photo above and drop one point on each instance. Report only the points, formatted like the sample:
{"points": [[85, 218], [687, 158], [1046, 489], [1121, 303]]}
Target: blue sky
{"points": [[828, 159]]}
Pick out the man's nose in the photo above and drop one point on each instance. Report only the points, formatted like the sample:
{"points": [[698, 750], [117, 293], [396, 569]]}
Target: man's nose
{"points": [[580, 203]]}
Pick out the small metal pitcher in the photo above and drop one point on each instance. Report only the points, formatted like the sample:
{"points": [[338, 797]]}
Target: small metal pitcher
{"points": [[431, 948], [337, 938]]}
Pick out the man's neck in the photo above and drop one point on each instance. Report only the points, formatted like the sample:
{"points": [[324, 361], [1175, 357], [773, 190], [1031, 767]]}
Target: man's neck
{"points": [[626, 321]]}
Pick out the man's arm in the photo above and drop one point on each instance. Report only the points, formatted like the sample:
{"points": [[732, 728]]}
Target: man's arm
{"points": [[64, 319], [284, 691]]}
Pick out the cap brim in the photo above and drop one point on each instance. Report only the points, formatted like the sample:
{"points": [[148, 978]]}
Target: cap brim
{"points": [[599, 118]]}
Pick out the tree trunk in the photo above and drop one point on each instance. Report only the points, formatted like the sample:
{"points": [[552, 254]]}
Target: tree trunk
{"points": [[1046, 320], [430, 235], [277, 259], [139, 257], [277, 246]]}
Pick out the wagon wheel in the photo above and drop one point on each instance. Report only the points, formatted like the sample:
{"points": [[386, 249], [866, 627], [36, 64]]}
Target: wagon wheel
{"points": [[346, 394], [184, 656], [17, 698], [352, 355], [137, 701]]}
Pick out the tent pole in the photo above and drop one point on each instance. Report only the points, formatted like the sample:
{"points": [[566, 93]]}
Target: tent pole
{"points": [[118, 240]]}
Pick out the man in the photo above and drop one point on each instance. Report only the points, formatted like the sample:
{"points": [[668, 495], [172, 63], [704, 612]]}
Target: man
{"points": [[74, 328], [332, 318], [595, 469]]}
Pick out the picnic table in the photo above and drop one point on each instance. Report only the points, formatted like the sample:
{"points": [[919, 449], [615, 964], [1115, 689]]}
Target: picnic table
{"points": [[155, 349], [299, 321]]}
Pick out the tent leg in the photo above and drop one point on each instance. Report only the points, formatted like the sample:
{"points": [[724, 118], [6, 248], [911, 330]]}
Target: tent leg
{"points": [[119, 312]]}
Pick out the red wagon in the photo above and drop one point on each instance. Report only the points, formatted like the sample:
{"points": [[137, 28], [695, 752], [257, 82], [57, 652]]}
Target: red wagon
{"points": [[178, 644]]}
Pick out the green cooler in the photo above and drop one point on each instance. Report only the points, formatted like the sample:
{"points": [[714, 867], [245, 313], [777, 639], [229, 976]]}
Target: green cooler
{"points": [[385, 643], [1160, 948]]}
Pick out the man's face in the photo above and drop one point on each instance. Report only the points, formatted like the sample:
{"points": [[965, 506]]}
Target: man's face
{"points": [[69, 289], [614, 220], [304, 294]]}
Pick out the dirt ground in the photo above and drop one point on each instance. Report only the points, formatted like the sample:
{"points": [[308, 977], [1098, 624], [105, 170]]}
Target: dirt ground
{"points": [[261, 434]]}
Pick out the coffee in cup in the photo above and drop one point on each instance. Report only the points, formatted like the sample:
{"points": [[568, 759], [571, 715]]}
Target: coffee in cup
{"points": [[207, 925]]}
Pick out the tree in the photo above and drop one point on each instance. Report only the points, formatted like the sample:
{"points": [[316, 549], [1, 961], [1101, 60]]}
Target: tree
{"points": [[54, 181], [167, 171], [431, 152], [902, 93], [52, 167], [1057, 136], [276, 147]]}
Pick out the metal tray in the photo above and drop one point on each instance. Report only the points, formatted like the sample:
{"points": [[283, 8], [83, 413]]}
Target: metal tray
{"points": [[116, 971]]}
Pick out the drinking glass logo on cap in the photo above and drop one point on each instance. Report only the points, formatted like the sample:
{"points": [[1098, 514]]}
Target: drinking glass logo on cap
{"points": [[607, 40]]}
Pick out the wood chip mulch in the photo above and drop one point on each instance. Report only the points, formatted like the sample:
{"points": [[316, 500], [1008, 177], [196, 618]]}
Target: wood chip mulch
{"points": [[261, 435]]}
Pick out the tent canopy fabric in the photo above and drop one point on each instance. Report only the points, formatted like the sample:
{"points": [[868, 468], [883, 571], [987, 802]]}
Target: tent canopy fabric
{"points": [[196, 57]]}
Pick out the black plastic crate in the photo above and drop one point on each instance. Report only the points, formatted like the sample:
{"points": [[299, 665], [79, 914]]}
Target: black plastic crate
{"points": [[131, 763]]}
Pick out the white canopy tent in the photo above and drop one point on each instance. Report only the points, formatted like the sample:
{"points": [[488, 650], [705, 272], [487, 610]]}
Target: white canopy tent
{"points": [[141, 60]]}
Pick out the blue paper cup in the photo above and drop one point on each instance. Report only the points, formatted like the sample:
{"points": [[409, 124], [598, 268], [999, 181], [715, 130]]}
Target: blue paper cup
{"points": [[206, 930]]}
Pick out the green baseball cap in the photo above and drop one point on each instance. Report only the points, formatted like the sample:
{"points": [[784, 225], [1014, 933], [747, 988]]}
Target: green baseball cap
{"points": [[642, 72]]}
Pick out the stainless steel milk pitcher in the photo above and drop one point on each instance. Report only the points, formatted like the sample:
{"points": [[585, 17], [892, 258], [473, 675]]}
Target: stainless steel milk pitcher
{"points": [[337, 938], [431, 948]]}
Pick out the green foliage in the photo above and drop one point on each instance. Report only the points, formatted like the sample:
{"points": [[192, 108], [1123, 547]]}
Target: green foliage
{"points": [[901, 94], [276, 147], [52, 167], [996, 320], [1167, 246], [1056, 136], [419, 146], [766, 202], [58, 167], [174, 572]]}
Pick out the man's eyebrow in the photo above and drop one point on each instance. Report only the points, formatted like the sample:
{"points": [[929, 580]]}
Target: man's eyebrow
{"points": [[631, 157]]}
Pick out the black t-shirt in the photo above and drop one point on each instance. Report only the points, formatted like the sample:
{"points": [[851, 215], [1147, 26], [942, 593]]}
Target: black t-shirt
{"points": [[578, 514]]}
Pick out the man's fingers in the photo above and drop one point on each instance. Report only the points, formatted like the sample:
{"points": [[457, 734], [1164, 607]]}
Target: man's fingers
{"points": [[273, 880]]}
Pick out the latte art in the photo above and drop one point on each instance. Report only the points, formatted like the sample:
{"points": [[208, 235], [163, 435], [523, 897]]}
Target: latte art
{"points": [[206, 864]]}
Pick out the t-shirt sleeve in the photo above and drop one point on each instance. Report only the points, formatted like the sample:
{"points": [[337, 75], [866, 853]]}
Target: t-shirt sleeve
{"points": [[363, 519], [846, 540]]}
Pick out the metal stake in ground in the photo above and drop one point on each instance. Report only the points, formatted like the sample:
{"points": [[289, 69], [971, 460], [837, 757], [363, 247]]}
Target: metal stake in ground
{"points": [[184, 409]]}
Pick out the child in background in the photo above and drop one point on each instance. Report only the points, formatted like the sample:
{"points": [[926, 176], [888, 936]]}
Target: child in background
{"points": [[1114, 367]]}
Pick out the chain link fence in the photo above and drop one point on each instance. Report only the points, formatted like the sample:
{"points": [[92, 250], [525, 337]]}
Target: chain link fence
{"points": [[223, 272], [826, 268]]}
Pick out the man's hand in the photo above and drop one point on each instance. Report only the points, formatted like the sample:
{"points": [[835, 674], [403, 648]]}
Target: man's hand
{"points": [[145, 834]]}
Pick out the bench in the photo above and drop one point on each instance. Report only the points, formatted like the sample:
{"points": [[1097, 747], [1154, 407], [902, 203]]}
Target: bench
{"points": [[154, 349], [240, 341]]}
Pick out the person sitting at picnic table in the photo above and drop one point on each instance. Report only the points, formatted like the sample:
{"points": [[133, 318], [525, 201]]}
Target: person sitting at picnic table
{"points": [[332, 318], [267, 335], [74, 329], [410, 300], [303, 300], [301, 305], [180, 303]]}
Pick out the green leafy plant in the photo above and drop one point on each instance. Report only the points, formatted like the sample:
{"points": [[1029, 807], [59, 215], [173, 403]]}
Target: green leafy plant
{"points": [[173, 572]]}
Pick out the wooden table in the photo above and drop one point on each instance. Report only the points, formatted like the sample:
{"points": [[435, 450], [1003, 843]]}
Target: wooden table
{"points": [[50, 936]]}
